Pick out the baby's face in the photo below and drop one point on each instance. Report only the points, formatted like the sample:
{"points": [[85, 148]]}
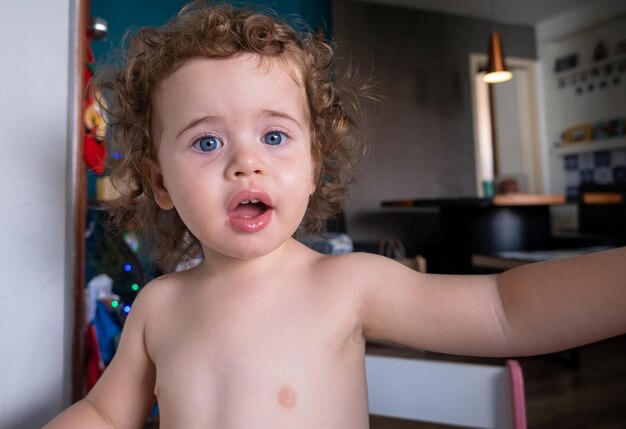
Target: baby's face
{"points": [[234, 153]]}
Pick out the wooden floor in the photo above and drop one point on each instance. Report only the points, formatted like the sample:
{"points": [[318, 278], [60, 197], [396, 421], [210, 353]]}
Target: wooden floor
{"points": [[592, 396]]}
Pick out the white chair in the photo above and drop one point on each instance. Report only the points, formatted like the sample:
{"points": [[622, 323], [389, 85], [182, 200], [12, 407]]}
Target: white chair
{"points": [[462, 394]]}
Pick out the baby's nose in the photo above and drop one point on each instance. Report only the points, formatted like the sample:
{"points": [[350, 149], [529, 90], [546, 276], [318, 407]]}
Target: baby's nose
{"points": [[245, 162]]}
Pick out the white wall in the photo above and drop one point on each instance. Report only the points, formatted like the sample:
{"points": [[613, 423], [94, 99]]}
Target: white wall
{"points": [[34, 282], [575, 21], [548, 32]]}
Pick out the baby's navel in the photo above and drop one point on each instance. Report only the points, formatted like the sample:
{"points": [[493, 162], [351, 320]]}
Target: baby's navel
{"points": [[287, 396]]}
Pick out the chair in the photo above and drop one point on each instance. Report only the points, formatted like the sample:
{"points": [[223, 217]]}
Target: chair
{"points": [[462, 394]]}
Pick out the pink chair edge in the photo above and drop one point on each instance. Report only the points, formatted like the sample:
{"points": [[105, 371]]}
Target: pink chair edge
{"points": [[519, 401]]}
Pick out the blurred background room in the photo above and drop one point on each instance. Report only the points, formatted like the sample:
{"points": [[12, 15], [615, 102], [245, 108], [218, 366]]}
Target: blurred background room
{"points": [[462, 176]]}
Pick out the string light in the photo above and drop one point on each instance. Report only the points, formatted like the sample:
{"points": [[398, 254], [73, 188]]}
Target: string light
{"points": [[115, 303], [126, 309], [135, 287], [128, 267]]}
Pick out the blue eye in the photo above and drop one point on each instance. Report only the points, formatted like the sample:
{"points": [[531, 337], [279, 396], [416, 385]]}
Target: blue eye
{"points": [[207, 144], [274, 138]]}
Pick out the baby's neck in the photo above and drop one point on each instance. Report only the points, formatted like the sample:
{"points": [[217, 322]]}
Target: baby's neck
{"points": [[217, 266]]}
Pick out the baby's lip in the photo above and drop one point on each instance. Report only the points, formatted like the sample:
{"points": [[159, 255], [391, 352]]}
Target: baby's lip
{"points": [[251, 195]]}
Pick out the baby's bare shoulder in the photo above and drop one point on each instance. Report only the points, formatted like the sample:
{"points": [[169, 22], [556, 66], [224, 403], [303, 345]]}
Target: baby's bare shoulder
{"points": [[157, 287], [356, 273], [358, 264], [158, 292]]}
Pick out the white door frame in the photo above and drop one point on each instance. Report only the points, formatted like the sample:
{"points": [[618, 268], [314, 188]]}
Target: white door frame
{"points": [[482, 122]]}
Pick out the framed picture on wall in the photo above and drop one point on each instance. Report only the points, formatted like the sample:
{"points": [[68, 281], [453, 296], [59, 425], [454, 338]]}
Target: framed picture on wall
{"points": [[608, 129], [565, 63], [578, 133]]}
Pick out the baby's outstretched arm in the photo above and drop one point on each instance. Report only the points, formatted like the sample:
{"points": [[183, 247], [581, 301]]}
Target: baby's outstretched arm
{"points": [[534, 309], [566, 302], [123, 395]]}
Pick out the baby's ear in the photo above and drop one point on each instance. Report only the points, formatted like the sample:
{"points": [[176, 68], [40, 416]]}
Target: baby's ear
{"points": [[161, 194]]}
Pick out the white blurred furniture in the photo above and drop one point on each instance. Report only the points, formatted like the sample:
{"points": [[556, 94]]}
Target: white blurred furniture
{"points": [[462, 394]]}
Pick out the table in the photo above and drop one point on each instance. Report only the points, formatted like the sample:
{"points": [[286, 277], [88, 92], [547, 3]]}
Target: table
{"points": [[470, 226]]}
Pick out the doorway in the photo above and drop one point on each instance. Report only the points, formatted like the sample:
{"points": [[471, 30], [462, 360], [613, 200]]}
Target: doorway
{"points": [[506, 126]]}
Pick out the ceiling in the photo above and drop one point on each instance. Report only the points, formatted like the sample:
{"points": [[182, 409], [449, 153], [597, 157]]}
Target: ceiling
{"points": [[528, 12]]}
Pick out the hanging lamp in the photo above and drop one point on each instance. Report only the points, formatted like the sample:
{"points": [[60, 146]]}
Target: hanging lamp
{"points": [[496, 68]]}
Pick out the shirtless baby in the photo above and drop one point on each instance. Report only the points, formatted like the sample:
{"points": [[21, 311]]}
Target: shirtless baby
{"points": [[234, 136]]}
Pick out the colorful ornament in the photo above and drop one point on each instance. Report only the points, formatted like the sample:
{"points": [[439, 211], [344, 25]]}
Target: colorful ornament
{"points": [[94, 143]]}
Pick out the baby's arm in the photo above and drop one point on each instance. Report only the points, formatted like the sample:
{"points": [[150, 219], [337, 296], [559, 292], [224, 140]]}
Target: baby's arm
{"points": [[565, 303], [123, 396], [537, 308]]}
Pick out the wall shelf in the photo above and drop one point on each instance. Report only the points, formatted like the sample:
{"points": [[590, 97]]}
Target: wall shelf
{"points": [[592, 146], [616, 63]]}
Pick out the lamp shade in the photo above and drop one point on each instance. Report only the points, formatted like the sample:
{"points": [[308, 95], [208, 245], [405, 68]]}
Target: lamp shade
{"points": [[496, 68]]}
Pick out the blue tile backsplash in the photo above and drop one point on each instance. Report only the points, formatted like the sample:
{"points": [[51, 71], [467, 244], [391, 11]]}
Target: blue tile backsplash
{"points": [[603, 167]]}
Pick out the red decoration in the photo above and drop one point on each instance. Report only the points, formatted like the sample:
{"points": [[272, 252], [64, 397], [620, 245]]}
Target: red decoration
{"points": [[94, 366], [94, 143]]}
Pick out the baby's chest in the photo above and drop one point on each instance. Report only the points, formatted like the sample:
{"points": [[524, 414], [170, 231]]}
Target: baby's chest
{"points": [[245, 344], [259, 360], [234, 325]]}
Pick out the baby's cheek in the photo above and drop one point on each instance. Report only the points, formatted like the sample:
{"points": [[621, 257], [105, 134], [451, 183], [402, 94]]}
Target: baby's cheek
{"points": [[301, 180]]}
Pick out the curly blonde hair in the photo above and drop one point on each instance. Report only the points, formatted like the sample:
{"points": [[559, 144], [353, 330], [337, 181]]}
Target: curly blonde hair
{"points": [[220, 31]]}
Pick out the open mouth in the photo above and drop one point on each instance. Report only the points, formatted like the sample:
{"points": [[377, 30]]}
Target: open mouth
{"points": [[249, 209]]}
